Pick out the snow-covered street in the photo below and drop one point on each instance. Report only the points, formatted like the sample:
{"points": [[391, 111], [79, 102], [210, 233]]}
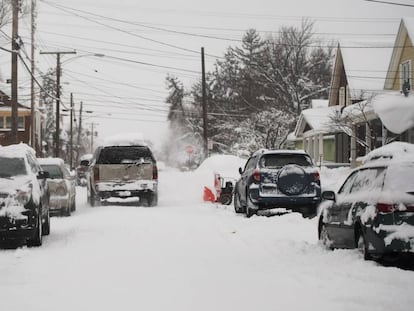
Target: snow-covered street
{"points": [[189, 255]]}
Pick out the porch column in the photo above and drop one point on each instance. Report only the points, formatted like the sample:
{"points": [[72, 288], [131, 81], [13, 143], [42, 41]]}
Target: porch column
{"points": [[305, 144], [320, 148], [368, 139], [316, 148], [353, 147]]}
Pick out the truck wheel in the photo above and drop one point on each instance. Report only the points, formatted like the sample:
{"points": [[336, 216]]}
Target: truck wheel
{"points": [[153, 199]]}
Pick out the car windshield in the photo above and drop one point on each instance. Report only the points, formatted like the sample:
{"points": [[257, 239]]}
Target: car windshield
{"points": [[124, 155], [12, 167], [280, 160], [54, 171]]}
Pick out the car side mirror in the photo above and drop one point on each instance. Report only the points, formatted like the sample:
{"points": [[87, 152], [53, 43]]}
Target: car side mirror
{"points": [[329, 195], [43, 175], [240, 170]]}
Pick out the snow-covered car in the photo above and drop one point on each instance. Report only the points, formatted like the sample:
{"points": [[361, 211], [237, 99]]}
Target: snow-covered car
{"points": [[62, 186], [278, 179], [24, 200], [123, 170], [373, 210]]}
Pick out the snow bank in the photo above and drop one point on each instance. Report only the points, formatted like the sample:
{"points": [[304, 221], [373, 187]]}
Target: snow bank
{"points": [[225, 165]]}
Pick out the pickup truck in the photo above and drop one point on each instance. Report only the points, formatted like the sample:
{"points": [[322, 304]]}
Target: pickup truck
{"points": [[123, 174]]}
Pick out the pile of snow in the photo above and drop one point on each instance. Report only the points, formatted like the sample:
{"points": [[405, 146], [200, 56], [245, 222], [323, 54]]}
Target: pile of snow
{"points": [[397, 151], [126, 139], [225, 165], [333, 178], [395, 111]]}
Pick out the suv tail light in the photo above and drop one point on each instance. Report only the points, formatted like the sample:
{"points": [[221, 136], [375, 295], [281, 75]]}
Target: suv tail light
{"points": [[256, 175], [316, 176], [154, 172], [385, 208], [96, 174]]}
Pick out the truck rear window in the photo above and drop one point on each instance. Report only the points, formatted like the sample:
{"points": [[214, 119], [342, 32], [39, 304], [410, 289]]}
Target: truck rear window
{"points": [[124, 155]]}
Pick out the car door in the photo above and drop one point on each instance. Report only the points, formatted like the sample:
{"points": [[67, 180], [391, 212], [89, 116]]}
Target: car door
{"points": [[244, 179], [333, 219], [366, 183]]}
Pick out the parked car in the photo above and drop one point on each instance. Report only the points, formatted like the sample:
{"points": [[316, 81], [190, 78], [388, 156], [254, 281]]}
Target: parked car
{"points": [[24, 200], [373, 210], [82, 169], [278, 179], [123, 172], [62, 186]]}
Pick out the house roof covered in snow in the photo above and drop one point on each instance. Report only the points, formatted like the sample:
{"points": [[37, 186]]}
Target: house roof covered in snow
{"points": [[363, 66], [316, 120]]}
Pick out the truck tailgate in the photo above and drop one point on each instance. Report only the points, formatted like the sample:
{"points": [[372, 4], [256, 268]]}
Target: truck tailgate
{"points": [[125, 172]]}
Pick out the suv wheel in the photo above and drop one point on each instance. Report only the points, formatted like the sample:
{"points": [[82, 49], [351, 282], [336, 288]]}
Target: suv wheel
{"points": [[37, 239], [46, 225]]}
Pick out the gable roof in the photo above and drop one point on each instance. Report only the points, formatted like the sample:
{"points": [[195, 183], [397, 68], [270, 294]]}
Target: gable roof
{"points": [[318, 119], [364, 67], [405, 29]]}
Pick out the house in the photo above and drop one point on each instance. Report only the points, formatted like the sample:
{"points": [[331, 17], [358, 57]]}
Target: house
{"points": [[395, 106], [357, 78], [23, 121], [313, 132]]}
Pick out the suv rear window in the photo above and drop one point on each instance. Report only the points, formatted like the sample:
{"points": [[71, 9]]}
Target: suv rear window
{"points": [[53, 170], [12, 167], [124, 155], [280, 160]]}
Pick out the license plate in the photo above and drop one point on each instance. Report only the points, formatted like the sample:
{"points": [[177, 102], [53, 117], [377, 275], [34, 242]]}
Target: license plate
{"points": [[124, 193]]}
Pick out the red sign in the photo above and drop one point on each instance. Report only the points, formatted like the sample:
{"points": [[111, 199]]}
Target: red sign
{"points": [[189, 149]]}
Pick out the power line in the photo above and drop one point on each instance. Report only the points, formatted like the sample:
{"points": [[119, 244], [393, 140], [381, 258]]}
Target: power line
{"points": [[392, 3], [70, 11]]}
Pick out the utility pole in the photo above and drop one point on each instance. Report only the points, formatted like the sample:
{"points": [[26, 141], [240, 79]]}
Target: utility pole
{"points": [[58, 73], [79, 133], [71, 132], [32, 87], [204, 102], [92, 134], [14, 71]]}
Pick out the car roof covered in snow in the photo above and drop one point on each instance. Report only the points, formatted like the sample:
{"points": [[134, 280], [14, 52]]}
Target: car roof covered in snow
{"points": [[51, 161], [395, 152], [281, 151], [127, 139], [18, 150]]}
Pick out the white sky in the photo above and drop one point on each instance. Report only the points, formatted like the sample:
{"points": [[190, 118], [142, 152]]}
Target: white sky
{"points": [[122, 94]]}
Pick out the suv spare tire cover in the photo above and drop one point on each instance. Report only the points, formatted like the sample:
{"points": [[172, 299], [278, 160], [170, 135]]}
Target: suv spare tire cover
{"points": [[292, 179]]}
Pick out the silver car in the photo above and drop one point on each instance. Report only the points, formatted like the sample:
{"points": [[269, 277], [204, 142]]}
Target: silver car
{"points": [[62, 186]]}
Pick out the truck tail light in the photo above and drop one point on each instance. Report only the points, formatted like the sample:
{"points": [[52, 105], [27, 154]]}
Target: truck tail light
{"points": [[154, 172], [96, 174]]}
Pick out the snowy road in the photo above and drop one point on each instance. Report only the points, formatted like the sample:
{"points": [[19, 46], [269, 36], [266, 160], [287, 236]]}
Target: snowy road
{"points": [[188, 255]]}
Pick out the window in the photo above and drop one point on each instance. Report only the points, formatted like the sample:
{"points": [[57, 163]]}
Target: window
{"points": [[405, 74], [54, 171], [20, 122], [280, 160], [368, 180], [346, 187]]}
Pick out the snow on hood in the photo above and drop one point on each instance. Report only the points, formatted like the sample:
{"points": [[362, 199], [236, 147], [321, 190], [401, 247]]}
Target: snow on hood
{"points": [[395, 111]]}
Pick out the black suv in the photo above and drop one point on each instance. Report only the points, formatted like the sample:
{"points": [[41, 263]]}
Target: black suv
{"points": [[24, 198], [278, 179]]}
